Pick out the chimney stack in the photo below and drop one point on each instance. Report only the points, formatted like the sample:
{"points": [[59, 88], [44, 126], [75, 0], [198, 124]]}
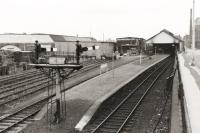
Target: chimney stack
{"points": [[191, 23]]}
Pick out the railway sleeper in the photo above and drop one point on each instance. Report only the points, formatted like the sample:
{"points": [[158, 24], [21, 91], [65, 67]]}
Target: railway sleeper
{"points": [[112, 121], [5, 124], [17, 117], [10, 121], [121, 114], [107, 131], [113, 124], [2, 127], [22, 83], [129, 124], [118, 118]]}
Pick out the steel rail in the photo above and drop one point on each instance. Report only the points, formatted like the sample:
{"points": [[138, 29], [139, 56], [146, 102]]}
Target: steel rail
{"points": [[139, 102], [26, 89], [14, 76], [45, 81], [101, 124], [33, 113], [84, 69], [24, 83], [21, 82], [21, 110], [29, 93]]}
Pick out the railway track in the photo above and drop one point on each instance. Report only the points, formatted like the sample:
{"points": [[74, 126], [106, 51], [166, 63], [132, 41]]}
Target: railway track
{"points": [[115, 113], [149, 114], [24, 116], [18, 77], [15, 121], [33, 73], [15, 91], [8, 80], [19, 118], [12, 93]]}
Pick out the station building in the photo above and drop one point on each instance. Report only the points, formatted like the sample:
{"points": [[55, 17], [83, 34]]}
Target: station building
{"points": [[197, 33], [165, 42], [64, 44], [129, 45]]}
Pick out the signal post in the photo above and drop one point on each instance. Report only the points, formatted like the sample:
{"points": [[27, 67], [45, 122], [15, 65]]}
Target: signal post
{"points": [[57, 65]]}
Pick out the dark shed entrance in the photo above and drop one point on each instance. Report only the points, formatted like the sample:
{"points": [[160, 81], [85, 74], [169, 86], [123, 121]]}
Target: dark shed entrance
{"points": [[166, 48]]}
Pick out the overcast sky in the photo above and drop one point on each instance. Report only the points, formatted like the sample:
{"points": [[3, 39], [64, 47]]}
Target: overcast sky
{"points": [[113, 18]]}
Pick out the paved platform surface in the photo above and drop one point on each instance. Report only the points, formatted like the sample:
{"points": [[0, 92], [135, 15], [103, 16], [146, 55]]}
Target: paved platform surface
{"points": [[191, 84], [107, 84], [81, 97]]}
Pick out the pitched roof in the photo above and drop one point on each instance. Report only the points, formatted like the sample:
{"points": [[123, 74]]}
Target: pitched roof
{"points": [[166, 31], [128, 38], [81, 39], [65, 38], [58, 38], [42, 38], [24, 38]]}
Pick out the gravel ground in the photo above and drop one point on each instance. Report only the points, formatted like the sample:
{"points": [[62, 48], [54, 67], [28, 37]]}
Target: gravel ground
{"points": [[163, 125]]}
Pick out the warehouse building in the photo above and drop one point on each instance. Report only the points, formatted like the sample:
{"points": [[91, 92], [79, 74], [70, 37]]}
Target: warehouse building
{"points": [[68, 44], [63, 44]]}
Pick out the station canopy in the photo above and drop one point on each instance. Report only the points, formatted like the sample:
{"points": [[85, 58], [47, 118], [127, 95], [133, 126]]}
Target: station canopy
{"points": [[164, 37]]}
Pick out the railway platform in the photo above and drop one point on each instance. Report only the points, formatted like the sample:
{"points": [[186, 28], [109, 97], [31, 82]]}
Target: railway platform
{"points": [[109, 83], [190, 76], [84, 99]]}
